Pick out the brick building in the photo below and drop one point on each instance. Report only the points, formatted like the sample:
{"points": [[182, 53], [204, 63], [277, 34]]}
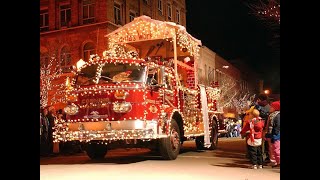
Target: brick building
{"points": [[74, 29]]}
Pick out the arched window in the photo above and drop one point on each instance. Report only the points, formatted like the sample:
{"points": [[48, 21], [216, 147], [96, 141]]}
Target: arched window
{"points": [[88, 49], [65, 59]]}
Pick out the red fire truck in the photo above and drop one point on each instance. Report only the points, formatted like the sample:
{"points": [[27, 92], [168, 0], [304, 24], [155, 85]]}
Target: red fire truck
{"points": [[143, 92]]}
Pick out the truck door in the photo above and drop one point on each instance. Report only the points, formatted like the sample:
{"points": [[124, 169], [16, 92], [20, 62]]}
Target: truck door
{"points": [[153, 101]]}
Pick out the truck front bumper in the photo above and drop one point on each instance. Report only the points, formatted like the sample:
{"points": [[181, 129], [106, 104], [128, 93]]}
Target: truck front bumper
{"points": [[108, 130]]}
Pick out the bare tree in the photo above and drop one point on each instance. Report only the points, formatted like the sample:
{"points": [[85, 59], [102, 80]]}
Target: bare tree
{"points": [[231, 96], [51, 90], [268, 12], [48, 72]]}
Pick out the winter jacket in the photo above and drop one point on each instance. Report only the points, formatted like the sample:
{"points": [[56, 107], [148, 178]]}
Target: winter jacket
{"points": [[274, 126], [258, 127]]}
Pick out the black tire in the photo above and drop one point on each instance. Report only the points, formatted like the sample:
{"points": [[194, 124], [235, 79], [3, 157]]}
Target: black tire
{"points": [[213, 138], [96, 151], [170, 147]]}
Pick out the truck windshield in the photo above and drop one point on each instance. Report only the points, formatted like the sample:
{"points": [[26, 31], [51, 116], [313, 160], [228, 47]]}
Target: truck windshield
{"points": [[111, 72], [87, 75]]}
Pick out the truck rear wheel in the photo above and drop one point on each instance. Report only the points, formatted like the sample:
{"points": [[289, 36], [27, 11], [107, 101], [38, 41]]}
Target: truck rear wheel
{"points": [[96, 151], [170, 147], [213, 138]]}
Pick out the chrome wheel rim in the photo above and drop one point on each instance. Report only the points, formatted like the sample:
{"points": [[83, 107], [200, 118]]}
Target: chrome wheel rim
{"points": [[175, 139]]}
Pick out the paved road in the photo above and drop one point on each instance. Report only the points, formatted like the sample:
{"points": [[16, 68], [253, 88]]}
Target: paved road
{"points": [[228, 162]]}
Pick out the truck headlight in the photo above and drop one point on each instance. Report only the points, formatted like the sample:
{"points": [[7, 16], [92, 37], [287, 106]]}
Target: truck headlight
{"points": [[122, 107], [71, 109]]}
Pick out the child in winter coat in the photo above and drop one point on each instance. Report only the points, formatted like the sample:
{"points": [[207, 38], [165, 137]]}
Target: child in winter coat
{"points": [[254, 139], [273, 133]]}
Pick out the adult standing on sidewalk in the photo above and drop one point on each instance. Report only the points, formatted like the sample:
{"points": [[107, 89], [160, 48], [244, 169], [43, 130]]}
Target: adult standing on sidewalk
{"points": [[262, 105], [44, 122], [51, 117]]}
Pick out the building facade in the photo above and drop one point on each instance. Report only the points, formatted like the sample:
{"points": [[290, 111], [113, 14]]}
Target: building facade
{"points": [[75, 29], [235, 83]]}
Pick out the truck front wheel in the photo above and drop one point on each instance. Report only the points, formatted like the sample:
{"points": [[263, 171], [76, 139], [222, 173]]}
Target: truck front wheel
{"points": [[95, 150], [170, 147]]}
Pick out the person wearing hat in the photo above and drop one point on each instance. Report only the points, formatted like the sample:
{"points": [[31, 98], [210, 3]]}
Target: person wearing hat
{"points": [[273, 134], [262, 105], [254, 139]]}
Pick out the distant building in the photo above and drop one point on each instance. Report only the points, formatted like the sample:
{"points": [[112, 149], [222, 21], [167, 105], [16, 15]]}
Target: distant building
{"points": [[213, 68]]}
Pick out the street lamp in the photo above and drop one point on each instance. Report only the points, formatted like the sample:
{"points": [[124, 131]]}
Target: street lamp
{"points": [[267, 91]]}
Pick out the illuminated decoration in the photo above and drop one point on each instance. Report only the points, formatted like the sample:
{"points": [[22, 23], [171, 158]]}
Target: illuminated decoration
{"points": [[229, 96], [121, 94], [122, 107], [242, 103], [186, 59], [153, 109], [71, 109], [189, 115], [48, 74], [111, 104], [267, 10], [80, 63], [145, 28]]}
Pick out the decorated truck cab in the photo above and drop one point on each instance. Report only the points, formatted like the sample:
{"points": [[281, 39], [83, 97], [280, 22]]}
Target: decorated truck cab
{"points": [[138, 96]]}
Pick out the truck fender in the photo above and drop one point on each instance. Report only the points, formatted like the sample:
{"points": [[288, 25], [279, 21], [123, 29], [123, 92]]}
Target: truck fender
{"points": [[167, 119]]}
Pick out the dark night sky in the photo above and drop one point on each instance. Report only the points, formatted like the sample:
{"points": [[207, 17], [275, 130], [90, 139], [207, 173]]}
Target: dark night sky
{"points": [[228, 28]]}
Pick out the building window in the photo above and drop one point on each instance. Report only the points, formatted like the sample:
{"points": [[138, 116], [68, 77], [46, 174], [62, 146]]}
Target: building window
{"points": [[65, 59], [88, 49], [44, 20], [178, 16], [160, 6], [88, 11], [65, 16], [169, 12], [146, 2], [132, 15], [117, 13]]}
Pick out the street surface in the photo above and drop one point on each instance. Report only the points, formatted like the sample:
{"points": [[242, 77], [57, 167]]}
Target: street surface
{"points": [[228, 162]]}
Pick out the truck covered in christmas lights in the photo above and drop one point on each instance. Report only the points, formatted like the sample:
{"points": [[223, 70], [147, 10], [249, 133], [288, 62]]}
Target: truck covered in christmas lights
{"points": [[143, 92]]}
